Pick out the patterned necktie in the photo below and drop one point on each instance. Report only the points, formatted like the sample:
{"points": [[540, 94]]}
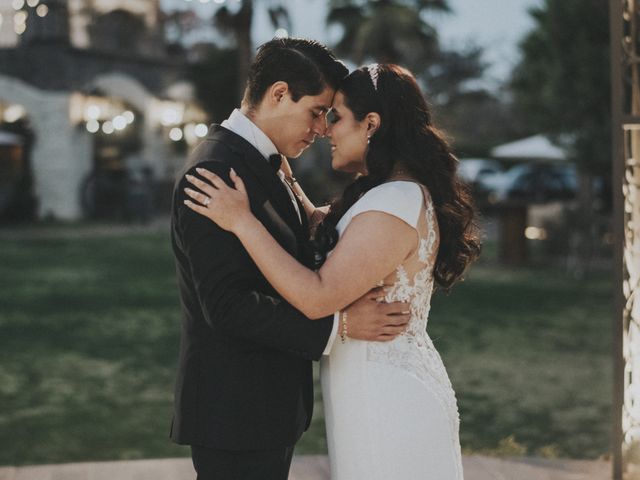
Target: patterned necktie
{"points": [[275, 161]]}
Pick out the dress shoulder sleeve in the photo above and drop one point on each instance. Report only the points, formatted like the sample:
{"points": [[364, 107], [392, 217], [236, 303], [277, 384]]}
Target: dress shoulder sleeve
{"points": [[400, 199]]}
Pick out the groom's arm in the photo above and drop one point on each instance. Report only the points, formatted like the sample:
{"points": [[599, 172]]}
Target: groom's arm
{"points": [[226, 281]]}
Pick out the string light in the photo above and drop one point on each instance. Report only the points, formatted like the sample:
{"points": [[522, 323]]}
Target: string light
{"points": [[93, 112], [42, 10], [176, 134], [170, 116], [20, 17], [13, 113], [119, 122], [93, 126], [107, 127], [201, 130], [129, 116]]}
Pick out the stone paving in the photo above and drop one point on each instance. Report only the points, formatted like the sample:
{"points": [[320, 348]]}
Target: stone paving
{"points": [[311, 467]]}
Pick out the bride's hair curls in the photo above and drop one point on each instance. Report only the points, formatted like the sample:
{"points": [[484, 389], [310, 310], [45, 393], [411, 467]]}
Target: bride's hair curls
{"points": [[408, 141]]}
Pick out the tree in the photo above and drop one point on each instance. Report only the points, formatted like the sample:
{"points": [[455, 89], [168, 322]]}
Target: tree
{"points": [[562, 88], [238, 26], [389, 31], [562, 84], [211, 75], [398, 31]]}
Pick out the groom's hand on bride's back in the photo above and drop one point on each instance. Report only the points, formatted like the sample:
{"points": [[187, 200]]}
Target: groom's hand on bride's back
{"points": [[371, 318]]}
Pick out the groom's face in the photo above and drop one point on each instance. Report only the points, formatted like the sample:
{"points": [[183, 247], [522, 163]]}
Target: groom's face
{"points": [[294, 126]]}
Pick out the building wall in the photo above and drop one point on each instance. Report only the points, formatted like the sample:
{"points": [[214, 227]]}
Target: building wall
{"points": [[61, 157]]}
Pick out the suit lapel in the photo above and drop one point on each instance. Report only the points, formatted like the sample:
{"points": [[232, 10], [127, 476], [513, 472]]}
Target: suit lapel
{"points": [[265, 174], [303, 217]]}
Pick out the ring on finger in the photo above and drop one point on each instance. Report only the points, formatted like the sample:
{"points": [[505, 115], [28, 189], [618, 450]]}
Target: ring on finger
{"points": [[207, 201]]}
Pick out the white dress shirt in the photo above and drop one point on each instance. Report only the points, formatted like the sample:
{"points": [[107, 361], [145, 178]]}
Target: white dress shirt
{"points": [[238, 123], [241, 125]]}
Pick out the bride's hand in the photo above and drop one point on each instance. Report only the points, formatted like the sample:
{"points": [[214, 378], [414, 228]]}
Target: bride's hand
{"points": [[226, 206]]}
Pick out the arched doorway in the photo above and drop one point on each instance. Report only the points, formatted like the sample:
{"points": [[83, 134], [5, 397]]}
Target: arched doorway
{"points": [[17, 200], [119, 185]]}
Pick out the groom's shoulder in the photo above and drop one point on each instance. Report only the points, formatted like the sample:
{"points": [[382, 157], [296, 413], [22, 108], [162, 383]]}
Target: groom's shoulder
{"points": [[218, 145], [216, 151]]}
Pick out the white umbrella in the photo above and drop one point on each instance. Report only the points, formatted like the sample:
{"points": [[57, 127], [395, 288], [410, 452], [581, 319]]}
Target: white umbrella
{"points": [[537, 147]]}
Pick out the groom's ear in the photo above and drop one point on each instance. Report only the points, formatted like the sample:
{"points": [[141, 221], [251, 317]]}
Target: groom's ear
{"points": [[277, 92]]}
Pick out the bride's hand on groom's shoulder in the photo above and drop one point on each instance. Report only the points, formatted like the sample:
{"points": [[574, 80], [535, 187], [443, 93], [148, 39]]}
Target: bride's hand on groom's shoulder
{"points": [[227, 207], [371, 318]]}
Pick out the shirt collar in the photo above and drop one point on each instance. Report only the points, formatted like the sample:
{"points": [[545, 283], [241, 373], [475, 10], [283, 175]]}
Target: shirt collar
{"points": [[241, 125]]}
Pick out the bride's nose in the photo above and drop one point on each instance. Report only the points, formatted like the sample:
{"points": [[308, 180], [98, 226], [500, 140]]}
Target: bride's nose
{"points": [[327, 132]]}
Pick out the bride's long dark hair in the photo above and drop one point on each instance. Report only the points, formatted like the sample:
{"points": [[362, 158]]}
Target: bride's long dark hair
{"points": [[407, 140]]}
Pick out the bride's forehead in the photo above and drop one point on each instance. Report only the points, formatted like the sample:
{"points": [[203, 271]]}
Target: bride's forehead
{"points": [[338, 100]]}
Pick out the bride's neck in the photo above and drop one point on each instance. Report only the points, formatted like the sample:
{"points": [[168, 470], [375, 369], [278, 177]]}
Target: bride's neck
{"points": [[400, 173]]}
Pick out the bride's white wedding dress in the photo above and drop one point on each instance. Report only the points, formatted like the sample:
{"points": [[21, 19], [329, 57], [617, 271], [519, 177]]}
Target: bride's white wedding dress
{"points": [[390, 410]]}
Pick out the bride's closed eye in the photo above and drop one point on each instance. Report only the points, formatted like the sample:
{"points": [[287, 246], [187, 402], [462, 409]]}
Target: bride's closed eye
{"points": [[332, 116]]}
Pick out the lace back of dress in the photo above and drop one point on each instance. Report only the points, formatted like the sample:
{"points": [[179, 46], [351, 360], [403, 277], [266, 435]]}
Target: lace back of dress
{"points": [[413, 279]]}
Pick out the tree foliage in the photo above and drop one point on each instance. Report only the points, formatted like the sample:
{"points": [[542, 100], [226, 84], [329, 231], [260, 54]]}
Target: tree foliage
{"points": [[238, 26], [212, 81], [388, 31], [562, 84]]}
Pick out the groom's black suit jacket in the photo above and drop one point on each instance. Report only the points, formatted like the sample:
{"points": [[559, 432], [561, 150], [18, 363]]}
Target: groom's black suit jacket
{"points": [[244, 379]]}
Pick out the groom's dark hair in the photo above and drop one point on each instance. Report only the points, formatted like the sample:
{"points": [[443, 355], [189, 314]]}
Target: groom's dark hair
{"points": [[307, 66]]}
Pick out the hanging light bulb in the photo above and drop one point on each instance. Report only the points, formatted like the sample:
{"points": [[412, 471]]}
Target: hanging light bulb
{"points": [[93, 126], [20, 17], [201, 130], [42, 10], [107, 127], [129, 116], [120, 123], [14, 113], [176, 134]]}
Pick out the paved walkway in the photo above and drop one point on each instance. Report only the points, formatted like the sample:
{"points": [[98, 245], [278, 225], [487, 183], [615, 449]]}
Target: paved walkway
{"points": [[310, 467]]}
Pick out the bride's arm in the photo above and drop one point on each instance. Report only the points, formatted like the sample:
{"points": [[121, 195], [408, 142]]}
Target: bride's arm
{"points": [[373, 245]]}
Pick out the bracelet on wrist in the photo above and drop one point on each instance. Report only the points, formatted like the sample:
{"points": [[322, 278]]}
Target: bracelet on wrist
{"points": [[343, 332]]}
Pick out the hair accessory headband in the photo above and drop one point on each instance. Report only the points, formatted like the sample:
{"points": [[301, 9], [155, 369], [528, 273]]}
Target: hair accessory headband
{"points": [[373, 73]]}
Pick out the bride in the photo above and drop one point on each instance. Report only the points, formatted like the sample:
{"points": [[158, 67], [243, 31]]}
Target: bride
{"points": [[406, 222]]}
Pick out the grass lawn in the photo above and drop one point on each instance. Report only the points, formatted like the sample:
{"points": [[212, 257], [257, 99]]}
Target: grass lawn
{"points": [[89, 340]]}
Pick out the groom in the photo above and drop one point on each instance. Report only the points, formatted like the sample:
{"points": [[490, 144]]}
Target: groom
{"points": [[244, 388]]}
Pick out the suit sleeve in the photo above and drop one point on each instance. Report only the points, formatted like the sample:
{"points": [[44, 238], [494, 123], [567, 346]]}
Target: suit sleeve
{"points": [[226, 281]]}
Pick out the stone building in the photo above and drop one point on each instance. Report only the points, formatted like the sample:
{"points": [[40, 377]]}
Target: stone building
{"points": [[95, 113]]}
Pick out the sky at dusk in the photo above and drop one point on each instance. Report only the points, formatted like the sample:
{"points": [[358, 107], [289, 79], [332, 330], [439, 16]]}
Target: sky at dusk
{"points": [[495, 25]]}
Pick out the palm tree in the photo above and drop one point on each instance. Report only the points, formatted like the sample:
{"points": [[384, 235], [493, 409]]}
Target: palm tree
{"points": [[238, 25], [387, 30]]}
